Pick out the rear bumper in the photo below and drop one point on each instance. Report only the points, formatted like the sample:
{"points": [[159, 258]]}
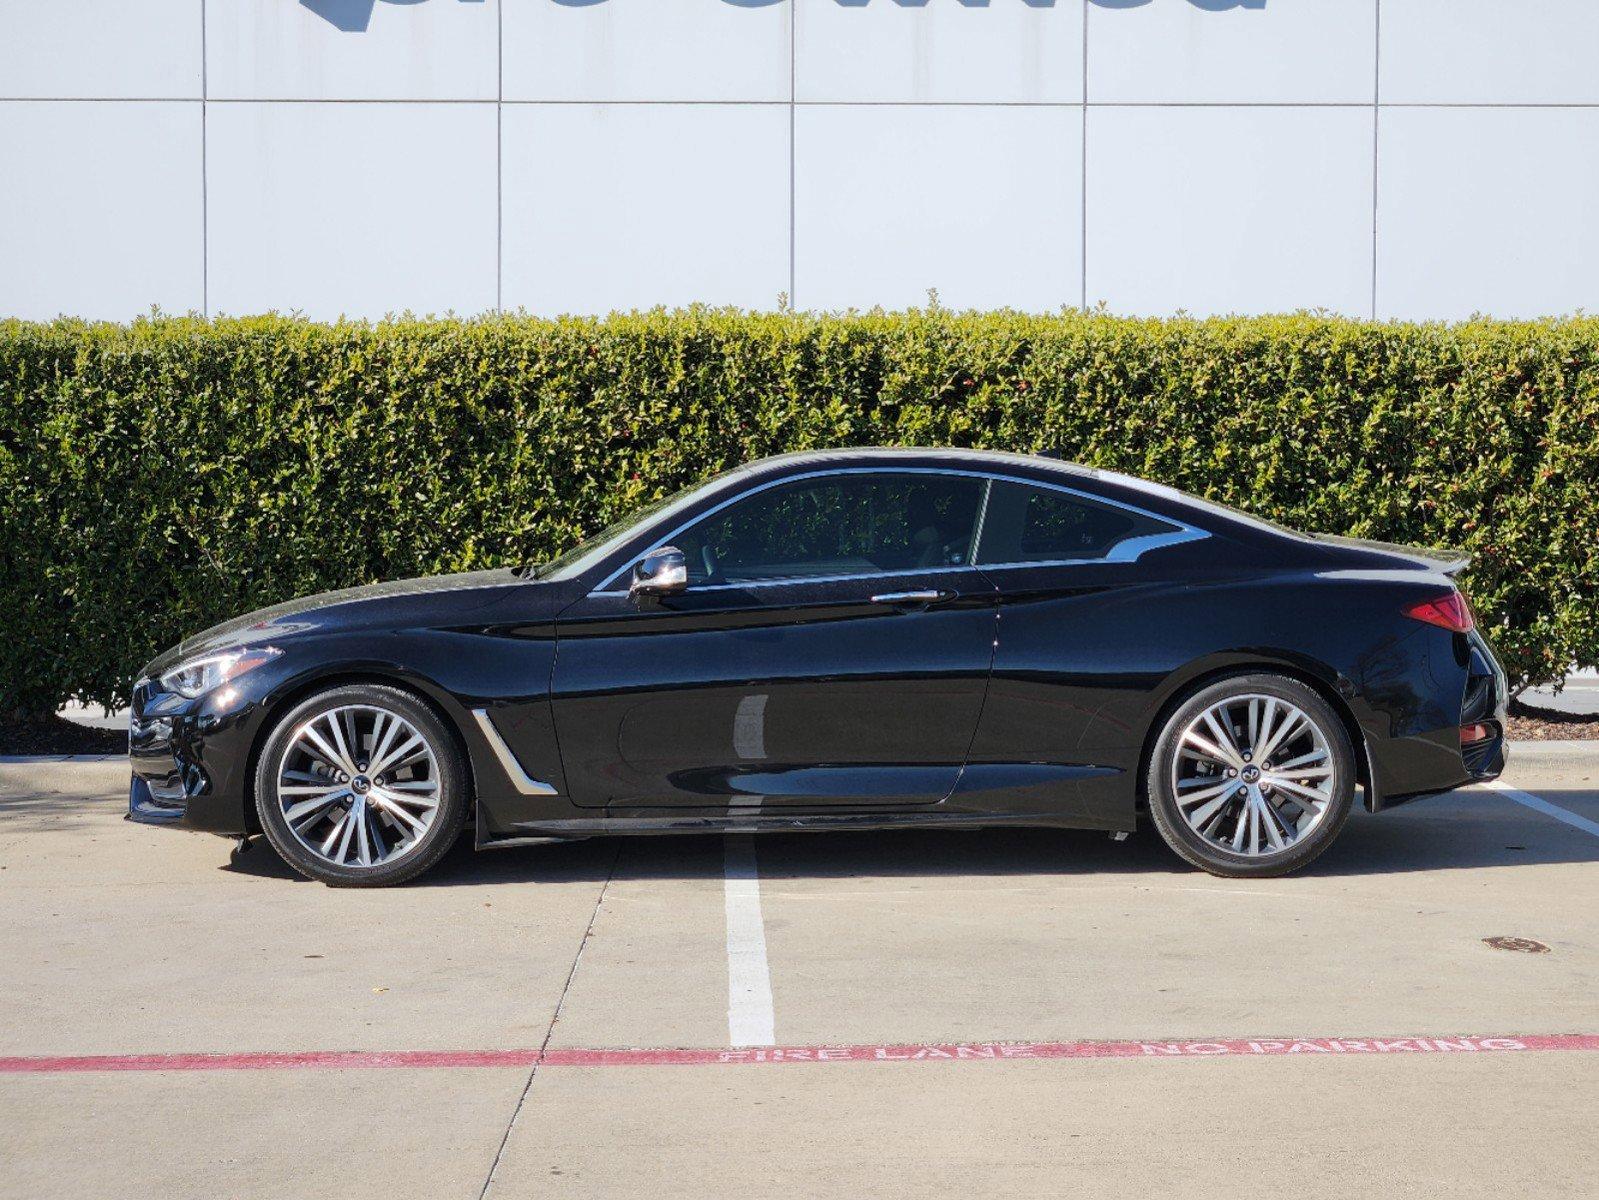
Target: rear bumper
{"points": [[1486, 760], [1407, 768], [1486, 702]]}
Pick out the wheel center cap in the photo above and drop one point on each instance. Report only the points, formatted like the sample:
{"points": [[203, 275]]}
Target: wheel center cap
{"points": [[1251, 773], [360, 784]]}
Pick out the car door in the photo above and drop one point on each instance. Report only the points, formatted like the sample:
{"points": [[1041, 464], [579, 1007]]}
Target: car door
{"points": [[832, 649]]}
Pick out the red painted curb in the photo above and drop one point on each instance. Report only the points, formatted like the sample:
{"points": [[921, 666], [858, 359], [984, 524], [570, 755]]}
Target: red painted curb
{"points": [[344, 1060], [315, 1060]]}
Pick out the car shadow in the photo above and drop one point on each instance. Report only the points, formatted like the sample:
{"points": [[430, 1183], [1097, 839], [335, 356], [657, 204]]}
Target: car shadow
{"points": [[23, 812], [1454, 832]]}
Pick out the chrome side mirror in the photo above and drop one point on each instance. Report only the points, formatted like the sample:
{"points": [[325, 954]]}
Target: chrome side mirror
{"points": [[661, 572]]}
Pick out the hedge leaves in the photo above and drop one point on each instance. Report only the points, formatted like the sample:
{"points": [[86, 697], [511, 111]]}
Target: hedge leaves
{"points": [[159, 477]]}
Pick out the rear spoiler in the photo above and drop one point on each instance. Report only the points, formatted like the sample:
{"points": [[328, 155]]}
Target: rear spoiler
{"points": [[1447, 562]]}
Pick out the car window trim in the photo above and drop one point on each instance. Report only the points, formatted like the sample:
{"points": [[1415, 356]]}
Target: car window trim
{"points": [[1130, 550], [982, 523], [1126, 550]]}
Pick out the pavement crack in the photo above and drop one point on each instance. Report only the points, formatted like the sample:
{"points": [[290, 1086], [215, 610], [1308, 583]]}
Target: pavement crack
{"points": [[555, 1017]]}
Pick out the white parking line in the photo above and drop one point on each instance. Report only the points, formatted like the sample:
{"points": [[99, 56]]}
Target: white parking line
{"points": [[749, 981], [1539, 804]]}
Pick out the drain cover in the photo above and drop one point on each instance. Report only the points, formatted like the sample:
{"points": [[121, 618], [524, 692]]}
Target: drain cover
{"points": [[1519, 944]]}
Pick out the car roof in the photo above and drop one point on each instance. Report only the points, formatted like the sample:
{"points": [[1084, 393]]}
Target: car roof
{"points": [[977, 460], [954, 456]]}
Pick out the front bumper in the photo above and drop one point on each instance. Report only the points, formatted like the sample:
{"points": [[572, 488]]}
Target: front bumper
{"points": [[190, 759]]}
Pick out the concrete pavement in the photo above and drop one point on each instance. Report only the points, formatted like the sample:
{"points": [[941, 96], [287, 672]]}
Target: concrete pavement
{"points": [[121, 940]]}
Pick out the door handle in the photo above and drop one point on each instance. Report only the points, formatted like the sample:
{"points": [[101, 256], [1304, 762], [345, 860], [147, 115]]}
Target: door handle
{"points": [[929, 596]]}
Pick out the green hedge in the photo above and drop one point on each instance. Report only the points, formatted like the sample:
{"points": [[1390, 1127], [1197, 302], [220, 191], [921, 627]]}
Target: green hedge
{"points": [[161, 476]]}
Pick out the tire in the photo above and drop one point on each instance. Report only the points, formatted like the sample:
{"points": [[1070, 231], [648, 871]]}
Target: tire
{"points": [[311, 774], [1292, 805]]}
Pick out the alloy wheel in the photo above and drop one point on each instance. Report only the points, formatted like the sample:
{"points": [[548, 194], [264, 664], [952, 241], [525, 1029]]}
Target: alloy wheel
{"points": [[1253, 775], [358, 785]]}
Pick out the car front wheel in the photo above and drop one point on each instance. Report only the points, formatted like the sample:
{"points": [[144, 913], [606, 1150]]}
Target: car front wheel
{"points": [[361, 785], [1251, 776]]}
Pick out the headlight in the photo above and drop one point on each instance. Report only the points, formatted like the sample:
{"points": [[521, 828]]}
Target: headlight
{"points": [[201, 675]]}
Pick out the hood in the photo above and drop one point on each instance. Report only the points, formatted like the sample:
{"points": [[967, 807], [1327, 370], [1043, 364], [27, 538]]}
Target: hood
{"points": [[296, 616], [1447, 562]]}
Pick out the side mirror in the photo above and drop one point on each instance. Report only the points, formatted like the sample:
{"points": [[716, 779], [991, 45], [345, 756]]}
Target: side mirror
{"points": [[661, 572]]}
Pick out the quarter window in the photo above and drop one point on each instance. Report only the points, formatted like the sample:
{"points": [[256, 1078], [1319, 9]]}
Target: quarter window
{"points": [[1032, 524], [857, 524]]}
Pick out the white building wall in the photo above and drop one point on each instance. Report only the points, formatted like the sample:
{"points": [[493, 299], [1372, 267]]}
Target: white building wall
{"points": [[1389, 158]]}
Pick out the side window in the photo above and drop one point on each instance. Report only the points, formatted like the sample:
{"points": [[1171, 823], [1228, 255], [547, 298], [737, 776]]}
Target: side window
{"points": [[1035, 524], [857, 524]]}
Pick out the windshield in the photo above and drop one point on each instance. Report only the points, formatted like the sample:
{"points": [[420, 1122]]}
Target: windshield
{"points": [[586, 554]]}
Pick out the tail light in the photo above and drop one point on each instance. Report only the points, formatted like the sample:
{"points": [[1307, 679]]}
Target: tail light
{"points": [[1449, 612], [1475, 732]]}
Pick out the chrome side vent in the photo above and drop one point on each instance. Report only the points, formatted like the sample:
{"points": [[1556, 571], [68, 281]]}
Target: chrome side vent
{"points": [[520, 779]]}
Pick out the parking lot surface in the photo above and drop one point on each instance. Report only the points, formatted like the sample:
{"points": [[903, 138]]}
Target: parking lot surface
{"points": [[993, 1013]]}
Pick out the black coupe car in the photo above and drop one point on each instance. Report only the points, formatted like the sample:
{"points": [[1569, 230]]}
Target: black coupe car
{"points": [[842, 640]]}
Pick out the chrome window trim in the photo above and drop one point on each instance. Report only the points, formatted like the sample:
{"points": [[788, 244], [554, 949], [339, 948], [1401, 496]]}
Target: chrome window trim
{"points": [[1129, 551]]}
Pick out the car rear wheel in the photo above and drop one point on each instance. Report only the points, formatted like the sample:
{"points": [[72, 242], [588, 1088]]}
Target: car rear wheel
{"points": [[1251, 776], [361, 786]]}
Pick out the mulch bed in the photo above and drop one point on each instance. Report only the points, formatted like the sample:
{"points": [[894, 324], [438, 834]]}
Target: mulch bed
{"points": [[1529, 723], [57, 735]]}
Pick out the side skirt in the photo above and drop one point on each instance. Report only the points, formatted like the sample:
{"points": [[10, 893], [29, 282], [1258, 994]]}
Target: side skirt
{"points": [[534, 833]]}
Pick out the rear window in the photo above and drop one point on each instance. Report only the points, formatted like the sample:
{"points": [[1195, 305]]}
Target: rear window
{"points": [[1033, 524]]}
